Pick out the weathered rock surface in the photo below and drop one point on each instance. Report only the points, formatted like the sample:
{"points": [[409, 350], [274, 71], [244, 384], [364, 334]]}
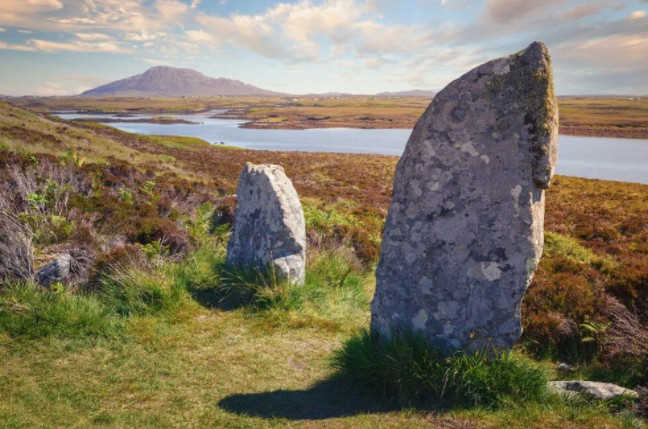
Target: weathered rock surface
{"points": [[269, 227], [56, 271], [464, 232], [594, 389]]}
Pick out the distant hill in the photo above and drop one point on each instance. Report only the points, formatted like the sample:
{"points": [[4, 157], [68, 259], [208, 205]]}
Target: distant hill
{"points": [[410, 93], [170, 81]]}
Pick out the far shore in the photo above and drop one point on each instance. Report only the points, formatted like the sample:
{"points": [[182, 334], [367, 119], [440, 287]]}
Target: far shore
{"points": [[363, 123], [619, 117]]}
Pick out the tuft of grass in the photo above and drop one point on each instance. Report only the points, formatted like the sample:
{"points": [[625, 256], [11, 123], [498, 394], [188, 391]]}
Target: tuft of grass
{"points": [[418, 374], [27, 310], [334, 295], [559, 245]]}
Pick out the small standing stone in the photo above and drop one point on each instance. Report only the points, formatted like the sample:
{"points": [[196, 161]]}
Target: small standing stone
{"points": [[464, 233], [269, 228], [56, 271]]}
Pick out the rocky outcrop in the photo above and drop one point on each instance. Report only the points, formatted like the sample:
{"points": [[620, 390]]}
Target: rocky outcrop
{"points": [[593, 389], [56, 271], [269, 228], [464, 232]]}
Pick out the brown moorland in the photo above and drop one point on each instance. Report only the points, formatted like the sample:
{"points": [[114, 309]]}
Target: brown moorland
{"points": [[586, 304]]}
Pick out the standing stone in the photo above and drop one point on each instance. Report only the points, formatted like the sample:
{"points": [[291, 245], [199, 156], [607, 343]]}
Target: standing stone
{"points": [[269, 227], [464, 232], [56, 271]]}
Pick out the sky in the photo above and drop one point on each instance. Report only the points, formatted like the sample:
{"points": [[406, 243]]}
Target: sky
{"points": [[62, 47]]}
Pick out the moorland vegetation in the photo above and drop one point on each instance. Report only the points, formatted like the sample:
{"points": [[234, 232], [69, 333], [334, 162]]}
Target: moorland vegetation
{"points": [[152, 330]]}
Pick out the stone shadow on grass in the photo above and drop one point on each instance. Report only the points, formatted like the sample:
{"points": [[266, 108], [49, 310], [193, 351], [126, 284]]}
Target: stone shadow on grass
{"points": [[335, 397]]}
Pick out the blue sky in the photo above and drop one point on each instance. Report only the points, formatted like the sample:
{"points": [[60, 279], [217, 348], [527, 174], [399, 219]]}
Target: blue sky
{"points": [[51, 47]]}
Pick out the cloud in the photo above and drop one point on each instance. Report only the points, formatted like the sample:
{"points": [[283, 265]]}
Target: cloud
{"points": [[156, 62], [93, 36], [582, 11], [144, 36], [622, 52], [2, 29], [171, 10], [201, 36], [76, 46], [506, 11], [18, 12], [638, 14], [300, 31], [16, 47]]}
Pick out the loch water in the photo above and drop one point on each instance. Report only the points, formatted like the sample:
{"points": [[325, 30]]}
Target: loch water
{"points": [[624, 160]]}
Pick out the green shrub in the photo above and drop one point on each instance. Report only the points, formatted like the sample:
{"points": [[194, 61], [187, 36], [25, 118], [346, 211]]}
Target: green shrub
{"points": [[29, 311], [418, 374]]}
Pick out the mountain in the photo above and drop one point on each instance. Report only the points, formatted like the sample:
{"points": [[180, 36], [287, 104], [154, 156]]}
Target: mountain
{"points": [[410, 93], [170, 81]]}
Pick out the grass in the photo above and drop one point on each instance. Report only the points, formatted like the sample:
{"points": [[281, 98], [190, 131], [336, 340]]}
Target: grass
{"points": [[199, 365], [419, 374], [29, 311]]}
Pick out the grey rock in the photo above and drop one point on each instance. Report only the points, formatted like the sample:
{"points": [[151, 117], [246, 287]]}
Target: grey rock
{"points": [[269, 228], [593, 389], [565, 367], [56, 271], [464, 233]]}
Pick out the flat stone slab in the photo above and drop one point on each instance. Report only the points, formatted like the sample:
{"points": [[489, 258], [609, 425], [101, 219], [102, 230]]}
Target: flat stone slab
{"points": [[269, 228], [464, 233], [593, 389]]}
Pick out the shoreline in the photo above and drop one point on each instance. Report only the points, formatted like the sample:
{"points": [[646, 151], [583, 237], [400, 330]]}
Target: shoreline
{"points": [[321, 123]]}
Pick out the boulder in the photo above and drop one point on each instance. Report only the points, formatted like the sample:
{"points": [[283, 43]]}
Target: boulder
{"points": [[269, 227], [464, 233], [56, 271], [594, 389]]}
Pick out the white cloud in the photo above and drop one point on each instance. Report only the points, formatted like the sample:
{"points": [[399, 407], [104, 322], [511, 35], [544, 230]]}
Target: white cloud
{"points": [[155, 62], [76, 46], [201, 36], [93, 36], [19, 12], [144, 36], [295, 31], [171, 10], [638, 14], [621, 52]]}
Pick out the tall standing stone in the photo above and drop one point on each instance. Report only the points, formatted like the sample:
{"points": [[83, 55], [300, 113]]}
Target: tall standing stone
{"points": [[464, 232], [269, 229]]}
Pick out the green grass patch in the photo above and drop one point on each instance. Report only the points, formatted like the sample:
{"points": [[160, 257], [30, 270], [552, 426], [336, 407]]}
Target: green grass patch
{"points": [[27, 310], [561, 245], [176, 142], [418, 374], [333, 296]]}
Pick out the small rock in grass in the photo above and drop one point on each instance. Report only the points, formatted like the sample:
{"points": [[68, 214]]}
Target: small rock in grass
{"points": [[595, 389], [565, 367], [56, 271]]}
